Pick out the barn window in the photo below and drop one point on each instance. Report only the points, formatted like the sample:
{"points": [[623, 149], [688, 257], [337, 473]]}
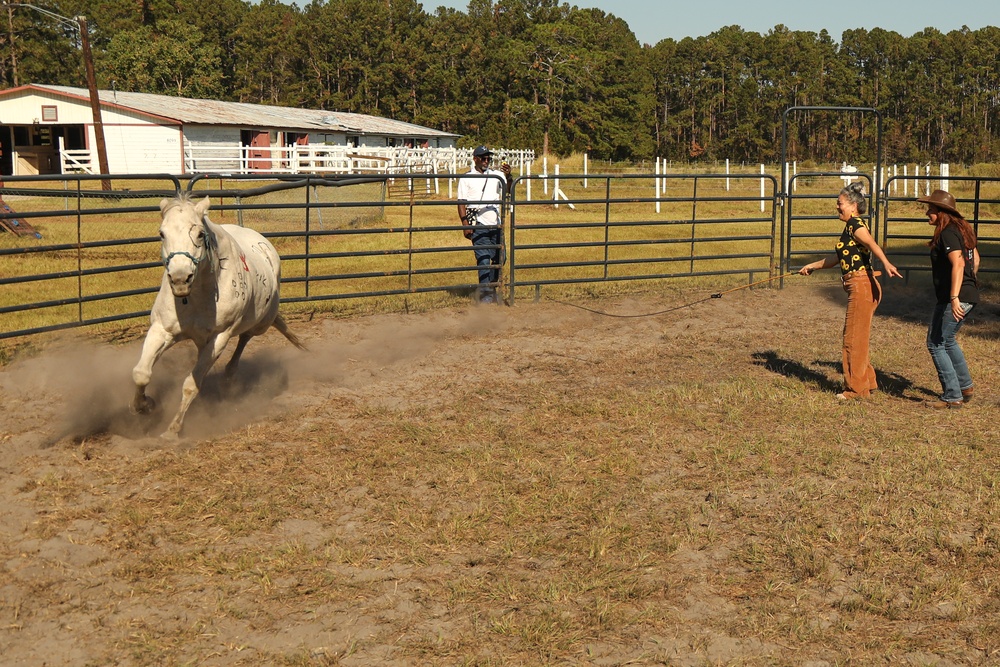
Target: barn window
{"points": [[50, 113]]}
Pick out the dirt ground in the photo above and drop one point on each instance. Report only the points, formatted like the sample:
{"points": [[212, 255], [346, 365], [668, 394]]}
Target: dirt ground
{"points": [[90, 495]]}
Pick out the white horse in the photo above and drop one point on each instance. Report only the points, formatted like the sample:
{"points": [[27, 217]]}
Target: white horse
{"points": [[219, 281]]}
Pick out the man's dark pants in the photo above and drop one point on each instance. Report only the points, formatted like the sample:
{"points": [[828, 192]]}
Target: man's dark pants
{"points": [[487, 246]]}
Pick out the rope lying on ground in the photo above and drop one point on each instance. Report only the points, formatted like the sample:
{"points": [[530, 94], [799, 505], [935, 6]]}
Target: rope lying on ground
{"points": [[717, 295]]}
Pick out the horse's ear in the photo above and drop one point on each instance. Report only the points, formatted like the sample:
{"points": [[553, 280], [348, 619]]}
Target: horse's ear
{"points": [[164, 203], [202, 207]]}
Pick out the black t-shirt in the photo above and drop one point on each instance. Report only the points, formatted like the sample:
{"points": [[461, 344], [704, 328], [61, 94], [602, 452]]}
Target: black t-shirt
{"points": [[950, 241]]}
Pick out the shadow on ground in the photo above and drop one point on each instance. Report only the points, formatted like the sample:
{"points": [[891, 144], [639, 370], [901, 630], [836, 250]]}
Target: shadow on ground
{"points": [[891, 384]]}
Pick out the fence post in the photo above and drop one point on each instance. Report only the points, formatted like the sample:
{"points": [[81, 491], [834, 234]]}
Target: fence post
{"points": [[762, 189], [656, 184], [555, 187], [454, 170]]}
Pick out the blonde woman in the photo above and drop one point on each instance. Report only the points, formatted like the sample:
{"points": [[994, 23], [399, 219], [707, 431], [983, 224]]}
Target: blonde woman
{"points": [[853, 254]]}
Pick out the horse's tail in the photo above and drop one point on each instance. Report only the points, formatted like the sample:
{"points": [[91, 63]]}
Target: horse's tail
{"points": [[282, 326]]}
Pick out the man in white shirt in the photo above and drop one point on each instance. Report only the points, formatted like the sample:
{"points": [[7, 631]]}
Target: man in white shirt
{"points": [[480, 201]]}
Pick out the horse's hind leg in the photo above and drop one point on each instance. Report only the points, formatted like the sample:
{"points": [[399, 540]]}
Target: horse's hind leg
{"points": [[158, 340], [234, 361]]}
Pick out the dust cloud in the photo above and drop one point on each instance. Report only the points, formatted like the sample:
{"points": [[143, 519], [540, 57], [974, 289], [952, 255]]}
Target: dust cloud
{"points": [[77, 388]]}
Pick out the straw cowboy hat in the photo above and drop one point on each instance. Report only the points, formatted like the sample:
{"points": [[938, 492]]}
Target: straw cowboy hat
{"points": [[943, 200]]}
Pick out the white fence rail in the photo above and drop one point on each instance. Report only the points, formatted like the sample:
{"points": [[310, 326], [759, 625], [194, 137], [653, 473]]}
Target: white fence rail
{"points": [[76, 162], [323, 159], [316, 159]]}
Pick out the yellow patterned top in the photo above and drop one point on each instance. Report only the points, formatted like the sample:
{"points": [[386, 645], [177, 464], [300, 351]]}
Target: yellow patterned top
{"points": [[852, 255]]}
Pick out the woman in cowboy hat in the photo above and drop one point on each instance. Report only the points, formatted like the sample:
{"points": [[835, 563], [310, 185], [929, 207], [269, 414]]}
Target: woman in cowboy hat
{"points": [[853, 255], [954, 263]]}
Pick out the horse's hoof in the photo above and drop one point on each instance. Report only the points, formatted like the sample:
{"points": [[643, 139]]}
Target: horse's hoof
{"points": [[142, 408], [170, 436]]}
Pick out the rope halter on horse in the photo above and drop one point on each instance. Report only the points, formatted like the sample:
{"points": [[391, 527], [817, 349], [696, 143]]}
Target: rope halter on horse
{"points": [[166, 260], [202, 240], [205, 236]]}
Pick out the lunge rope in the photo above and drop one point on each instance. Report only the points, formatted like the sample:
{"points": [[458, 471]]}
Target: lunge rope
{"points": [[717, 295]]}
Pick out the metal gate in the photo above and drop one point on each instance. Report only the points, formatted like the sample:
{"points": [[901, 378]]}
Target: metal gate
{"points": [[807, 217], [898, 222]]}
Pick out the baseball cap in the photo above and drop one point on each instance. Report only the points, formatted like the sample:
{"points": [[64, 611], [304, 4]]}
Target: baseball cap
{"points": [[481, 151]]}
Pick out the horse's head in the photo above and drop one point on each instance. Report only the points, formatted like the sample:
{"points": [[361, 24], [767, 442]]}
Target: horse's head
{"points": [[186, 241]]}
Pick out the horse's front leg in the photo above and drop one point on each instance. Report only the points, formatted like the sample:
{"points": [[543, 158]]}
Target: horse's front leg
{"points": [[158, 340], [207, 354]]}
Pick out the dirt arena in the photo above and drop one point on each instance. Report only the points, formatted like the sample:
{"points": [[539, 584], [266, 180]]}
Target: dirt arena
{"points": [[530, 485]]}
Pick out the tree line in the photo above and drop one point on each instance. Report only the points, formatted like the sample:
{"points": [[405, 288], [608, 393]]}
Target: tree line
{"points": [[541, 74]]}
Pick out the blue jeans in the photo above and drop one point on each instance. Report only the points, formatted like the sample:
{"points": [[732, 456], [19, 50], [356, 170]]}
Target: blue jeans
{"points": [[487, 245], [947, 355]]}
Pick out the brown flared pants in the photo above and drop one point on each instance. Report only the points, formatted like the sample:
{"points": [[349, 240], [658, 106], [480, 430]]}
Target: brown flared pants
{"points": [[863, 296]]}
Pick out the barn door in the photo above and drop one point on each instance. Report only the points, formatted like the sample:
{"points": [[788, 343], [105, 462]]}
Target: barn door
{"points": [[293, 140], [258, 145]]}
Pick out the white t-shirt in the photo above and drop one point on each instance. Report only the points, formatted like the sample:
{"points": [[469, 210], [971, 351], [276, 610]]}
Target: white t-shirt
{"points": [[485, 187]]}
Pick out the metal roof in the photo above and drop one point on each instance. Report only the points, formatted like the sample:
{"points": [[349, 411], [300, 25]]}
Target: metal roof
{"points": [[190, 111]]}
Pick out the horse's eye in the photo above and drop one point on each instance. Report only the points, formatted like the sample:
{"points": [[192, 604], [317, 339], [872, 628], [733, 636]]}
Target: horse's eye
{"points": [[161, 236]]}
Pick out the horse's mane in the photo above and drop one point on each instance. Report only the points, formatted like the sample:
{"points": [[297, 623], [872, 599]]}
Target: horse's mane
{"points": [[178, 200]]}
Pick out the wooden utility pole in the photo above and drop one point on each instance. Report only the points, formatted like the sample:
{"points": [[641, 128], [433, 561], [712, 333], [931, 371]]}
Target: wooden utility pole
{"points": [[13, 52], [88, 64], [95, 101]]}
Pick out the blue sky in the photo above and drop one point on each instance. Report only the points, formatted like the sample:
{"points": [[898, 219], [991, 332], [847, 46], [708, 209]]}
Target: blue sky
{"points": [[653, 20]]}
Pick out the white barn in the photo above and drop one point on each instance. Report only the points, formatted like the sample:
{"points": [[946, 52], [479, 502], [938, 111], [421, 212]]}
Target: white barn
{"points": [[48, 129]]}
